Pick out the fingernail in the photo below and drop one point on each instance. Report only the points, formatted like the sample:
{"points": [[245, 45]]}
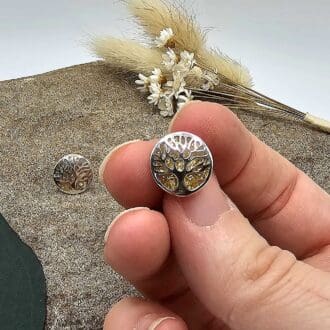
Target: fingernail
{"points": [[156, 323], [106, 159], [133, 209], [206, 206], [176, 115]]}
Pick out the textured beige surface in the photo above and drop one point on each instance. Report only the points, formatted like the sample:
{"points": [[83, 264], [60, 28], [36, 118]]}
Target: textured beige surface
{"points": [[87, 110]]}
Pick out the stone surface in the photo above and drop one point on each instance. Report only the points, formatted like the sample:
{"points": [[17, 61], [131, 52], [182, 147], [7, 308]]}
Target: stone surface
{"points": [[87, 110]]}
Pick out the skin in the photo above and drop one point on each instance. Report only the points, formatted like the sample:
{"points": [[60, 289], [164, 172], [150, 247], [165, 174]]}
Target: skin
{"points": [[225, 272]]}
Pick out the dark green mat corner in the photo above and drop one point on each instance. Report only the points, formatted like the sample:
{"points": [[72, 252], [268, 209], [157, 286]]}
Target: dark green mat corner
{"points": [[22, 283]]}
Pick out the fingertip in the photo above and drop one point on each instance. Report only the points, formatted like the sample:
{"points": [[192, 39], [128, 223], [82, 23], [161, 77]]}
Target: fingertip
{"points": [[126, 175], [167, 323], [106, 159], [138, 243], [139, 314], [120, 215], [197, 113], [177, 114]]}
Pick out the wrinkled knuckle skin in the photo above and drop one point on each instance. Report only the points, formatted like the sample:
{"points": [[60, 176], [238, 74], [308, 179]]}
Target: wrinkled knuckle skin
{"points": [[266, 276], [271, 264]]}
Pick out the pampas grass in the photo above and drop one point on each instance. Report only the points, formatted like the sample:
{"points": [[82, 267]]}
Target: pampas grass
{"points": [[214, 59], [156, 15], [126, 54], [131, 56]]}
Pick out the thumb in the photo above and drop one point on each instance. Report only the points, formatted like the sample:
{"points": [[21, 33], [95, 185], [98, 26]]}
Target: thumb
{"points": [[236, 274]]}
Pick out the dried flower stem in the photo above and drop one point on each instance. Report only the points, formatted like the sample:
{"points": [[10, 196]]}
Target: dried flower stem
{"points": [[242, 98], [235, 95]]}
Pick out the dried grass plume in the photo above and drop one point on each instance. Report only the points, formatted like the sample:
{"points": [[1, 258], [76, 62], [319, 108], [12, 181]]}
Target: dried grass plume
{"points": [[126, 54], [156, 15]]}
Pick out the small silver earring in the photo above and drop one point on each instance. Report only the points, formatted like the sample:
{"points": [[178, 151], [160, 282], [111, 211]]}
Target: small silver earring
{"points": [[73, 174], [181, 163]]}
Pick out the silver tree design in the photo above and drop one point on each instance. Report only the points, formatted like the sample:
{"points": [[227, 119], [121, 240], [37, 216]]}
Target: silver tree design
{"points": [[181, 163], [73, 174]]}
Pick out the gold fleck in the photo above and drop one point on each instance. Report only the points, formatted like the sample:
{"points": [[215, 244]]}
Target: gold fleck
{"points": [[169, 181], [169, 162], [174, 154], [193, 181], [186, 153], [179, 165], [194, 163]]}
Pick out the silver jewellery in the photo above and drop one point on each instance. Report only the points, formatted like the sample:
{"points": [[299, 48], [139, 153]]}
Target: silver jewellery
{"points": [[73, 174], [181, 163]]}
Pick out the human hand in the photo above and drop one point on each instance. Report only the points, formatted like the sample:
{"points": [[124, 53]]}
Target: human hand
{"points": [[198, 259]]}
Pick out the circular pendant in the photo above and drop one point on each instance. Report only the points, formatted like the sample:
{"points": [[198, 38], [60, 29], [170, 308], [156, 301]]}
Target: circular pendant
{"points": [[73, 174], [181, 163]]}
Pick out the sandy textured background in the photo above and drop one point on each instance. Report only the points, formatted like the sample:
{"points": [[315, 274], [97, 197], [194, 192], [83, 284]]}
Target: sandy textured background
{"points": [[87, 110]]}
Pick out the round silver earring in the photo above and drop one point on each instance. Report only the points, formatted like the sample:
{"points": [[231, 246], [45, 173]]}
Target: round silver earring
{"points": [[181, 163], [73, 174]]}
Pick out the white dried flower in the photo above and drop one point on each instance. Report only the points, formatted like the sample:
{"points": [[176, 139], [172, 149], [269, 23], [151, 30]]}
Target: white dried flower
{"points": [[207, 86], [170, 59], [186, 63], [156, 76], [177, 84], [184, 98], [212, 80], [164, 39], [187, 60], [165, 106], [155, 93], [143, 83]]}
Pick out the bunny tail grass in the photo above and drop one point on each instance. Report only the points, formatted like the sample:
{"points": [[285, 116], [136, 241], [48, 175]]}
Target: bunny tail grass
{"points": [[157, 15], [226, 66], [126, 54]]}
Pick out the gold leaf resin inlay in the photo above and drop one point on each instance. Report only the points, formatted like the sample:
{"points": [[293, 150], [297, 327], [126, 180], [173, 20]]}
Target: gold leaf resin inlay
{"points": [[181, 163]]}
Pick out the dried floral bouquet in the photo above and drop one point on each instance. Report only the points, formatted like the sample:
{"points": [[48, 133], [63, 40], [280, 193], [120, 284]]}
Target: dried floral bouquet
{"points": [[175, 66]]}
